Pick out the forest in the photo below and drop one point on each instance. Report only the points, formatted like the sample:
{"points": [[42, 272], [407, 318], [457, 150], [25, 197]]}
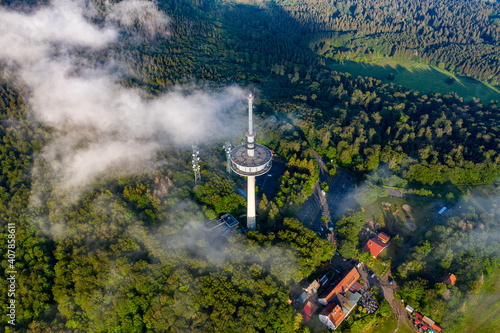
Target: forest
{"points": [[130, 253], [460, 36]]}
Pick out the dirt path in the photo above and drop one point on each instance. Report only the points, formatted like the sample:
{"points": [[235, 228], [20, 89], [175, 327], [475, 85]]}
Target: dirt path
{"points": [[387, 291]]}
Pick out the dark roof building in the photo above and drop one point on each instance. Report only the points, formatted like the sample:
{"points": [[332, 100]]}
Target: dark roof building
{"points": [[323, 279]]}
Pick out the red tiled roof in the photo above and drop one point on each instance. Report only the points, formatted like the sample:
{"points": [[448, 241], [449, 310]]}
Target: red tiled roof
{"points": [[309, 308], [344, 284], [334, 313], [450, 279], [418, 315], [337, 316], [374, 246], [436, 327], [355, 287], [384, 237], [305, 318]]}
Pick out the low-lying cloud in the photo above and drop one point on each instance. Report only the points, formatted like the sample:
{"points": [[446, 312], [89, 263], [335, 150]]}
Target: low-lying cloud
{"points": [[100, 123]]}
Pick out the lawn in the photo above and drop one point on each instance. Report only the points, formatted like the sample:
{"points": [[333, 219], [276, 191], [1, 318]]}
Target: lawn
{"points": [[420, 215], [382, 325], [483, 315], [405, 329], [377, 265], [418, 76]]}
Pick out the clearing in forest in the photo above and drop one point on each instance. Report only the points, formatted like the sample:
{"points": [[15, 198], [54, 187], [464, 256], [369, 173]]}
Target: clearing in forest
{"points": [[418, 76]]}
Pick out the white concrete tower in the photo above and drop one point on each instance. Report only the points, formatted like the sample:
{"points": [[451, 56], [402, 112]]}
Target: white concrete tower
{"points": [[251, 160]]}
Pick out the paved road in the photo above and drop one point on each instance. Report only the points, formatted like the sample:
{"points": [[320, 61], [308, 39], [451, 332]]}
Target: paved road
{"points": [[387, 290]]}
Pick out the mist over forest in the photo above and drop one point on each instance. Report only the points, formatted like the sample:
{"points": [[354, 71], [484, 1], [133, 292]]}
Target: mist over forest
{"points": [[102, 102]]}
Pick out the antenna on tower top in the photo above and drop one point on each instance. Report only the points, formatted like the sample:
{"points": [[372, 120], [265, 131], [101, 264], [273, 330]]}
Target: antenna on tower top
{"points": [[250, 134], [250, 113], [196, 164]]}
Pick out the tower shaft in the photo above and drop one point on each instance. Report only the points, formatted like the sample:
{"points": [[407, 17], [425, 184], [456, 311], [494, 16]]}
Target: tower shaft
{"points": [[251, 160], [251, 203]]}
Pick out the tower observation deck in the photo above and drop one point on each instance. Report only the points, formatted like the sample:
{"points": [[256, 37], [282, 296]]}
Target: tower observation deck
{"points": [[251, 160]]}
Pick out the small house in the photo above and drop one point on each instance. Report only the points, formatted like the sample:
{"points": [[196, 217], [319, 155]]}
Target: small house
{"points": [[441, 211], [308, 311], [332, 316], [428, 321], [436, 328], [449, 279], [374, 246], [384, 237], [302, 297], [312, 289]]}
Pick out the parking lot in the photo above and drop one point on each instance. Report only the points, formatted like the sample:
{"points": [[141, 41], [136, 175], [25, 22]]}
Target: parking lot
{"points": [[268, 183]]}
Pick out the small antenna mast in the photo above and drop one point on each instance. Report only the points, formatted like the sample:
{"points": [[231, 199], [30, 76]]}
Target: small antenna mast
{"points": [[196, 164], [227, 148]]}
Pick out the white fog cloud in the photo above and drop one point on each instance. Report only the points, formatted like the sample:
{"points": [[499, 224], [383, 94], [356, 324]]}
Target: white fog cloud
{"points": [[143, 14], [101, 124]]}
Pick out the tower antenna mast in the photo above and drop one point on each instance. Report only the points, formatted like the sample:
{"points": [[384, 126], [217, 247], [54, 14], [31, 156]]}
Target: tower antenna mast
{"points": [[251, 160], [196, 164], [227, 148]]}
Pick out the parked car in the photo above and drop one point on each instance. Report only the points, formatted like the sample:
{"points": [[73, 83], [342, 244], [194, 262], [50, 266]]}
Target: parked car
{"points": [[391, 280], [373, 275]]}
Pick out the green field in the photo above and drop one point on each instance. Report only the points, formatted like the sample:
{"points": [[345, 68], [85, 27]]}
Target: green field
{"points": [[381, 325], [421, 77], [483, 314], [420, 215]]}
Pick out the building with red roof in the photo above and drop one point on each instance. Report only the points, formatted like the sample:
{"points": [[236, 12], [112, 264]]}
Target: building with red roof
{"points": [[332, 315], [437, 328], [341, 284], [307, 311], [449, 279], [384, 237], [374, 246], [418, 315]]}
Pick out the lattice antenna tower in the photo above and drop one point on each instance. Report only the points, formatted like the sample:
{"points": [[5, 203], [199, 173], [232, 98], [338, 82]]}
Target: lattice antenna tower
{"points": [[227, 148], [196, 164]]}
